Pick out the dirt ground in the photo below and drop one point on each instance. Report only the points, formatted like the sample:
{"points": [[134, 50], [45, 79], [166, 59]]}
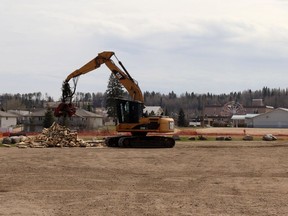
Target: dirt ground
{"points": [[193, 178]]}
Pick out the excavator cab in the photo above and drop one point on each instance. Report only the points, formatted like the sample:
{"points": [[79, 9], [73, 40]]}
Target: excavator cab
{"points": [[129, 111]]}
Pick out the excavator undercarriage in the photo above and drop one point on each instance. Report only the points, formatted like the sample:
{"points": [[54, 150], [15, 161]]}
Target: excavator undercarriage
{"points": [[140, 142]]}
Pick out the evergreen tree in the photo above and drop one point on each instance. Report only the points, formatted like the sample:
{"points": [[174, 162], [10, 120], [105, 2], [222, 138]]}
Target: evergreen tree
{"points": [[89, 108], [166, 112], [181, 118], [48, 118], [114, 90]]}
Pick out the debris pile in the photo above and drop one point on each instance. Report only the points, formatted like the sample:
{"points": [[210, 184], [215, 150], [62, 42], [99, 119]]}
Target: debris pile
{"points": [[57, 136]]}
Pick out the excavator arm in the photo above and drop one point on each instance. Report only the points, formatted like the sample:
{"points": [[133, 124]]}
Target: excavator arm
{"points": [[66, 107], [91, 65], [122, 75]]}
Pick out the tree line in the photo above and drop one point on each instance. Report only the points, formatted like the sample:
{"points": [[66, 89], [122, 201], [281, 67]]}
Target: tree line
{"points": [[27, 101], [191, 103]]}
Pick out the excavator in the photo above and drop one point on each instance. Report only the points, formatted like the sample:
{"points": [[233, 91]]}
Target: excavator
{"points": [[131, 119]]}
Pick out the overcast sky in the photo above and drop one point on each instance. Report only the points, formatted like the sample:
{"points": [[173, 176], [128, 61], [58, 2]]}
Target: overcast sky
{"points": [[186, 45]]}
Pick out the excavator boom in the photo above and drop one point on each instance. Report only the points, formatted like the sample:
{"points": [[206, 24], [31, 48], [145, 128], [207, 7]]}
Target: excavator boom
{"points": [[123, 76], [91, 65]]}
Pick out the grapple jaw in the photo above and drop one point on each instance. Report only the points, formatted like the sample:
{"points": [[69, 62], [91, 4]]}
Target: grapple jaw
{"points": [[65, 108]]}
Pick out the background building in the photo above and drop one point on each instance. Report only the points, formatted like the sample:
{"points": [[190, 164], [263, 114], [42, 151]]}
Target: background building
{"points": [[7, 121], [277, 118], [82, 120], [221, 115]]}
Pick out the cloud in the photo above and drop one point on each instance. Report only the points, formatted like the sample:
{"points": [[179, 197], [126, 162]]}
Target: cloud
{"points": [[187, 45]]}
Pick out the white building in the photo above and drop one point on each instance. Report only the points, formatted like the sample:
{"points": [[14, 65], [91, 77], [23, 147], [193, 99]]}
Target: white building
{"points": [[153, 110], [277, 118], [243, 120], [7, 121]]}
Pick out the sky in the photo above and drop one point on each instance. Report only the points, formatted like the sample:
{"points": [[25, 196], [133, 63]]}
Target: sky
{"points": [[181, 46]]}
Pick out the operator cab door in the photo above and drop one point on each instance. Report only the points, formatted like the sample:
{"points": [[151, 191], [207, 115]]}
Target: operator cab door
{"points": [[129, 111]]}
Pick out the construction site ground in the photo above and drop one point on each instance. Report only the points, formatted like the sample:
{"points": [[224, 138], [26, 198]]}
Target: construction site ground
{"points": [[193, 178]]}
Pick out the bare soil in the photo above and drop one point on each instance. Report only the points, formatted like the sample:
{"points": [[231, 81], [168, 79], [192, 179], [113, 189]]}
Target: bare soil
{"points": [[193, 178]]}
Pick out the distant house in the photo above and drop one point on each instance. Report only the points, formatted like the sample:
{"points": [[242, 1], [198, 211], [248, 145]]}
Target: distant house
{"points": [[153, 110], [82, 120], [20, 115], [7, 121], [33, 121], [277, 118], [85, 120]]}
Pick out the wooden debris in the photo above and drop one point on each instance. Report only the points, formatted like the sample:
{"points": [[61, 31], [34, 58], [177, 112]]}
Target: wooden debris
{"points": [[56, 136]]}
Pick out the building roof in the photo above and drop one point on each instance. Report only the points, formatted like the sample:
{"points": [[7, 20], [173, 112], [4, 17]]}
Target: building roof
{"points": [[18, 112], [284, 109], [243, 117], [6, 114], [270, 111], [38, 113], [79, 112], [250, 115], [238, 117], [85, 113]]}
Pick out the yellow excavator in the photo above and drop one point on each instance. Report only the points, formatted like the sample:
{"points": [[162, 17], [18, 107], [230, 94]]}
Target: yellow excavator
{"points": [[129, 112]]}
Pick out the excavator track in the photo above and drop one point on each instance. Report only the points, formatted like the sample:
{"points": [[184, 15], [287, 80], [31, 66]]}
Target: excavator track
{"points": [[140, 142]]}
